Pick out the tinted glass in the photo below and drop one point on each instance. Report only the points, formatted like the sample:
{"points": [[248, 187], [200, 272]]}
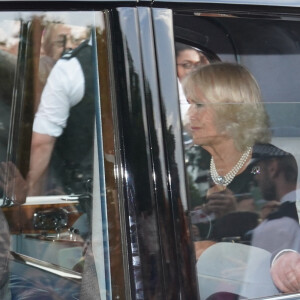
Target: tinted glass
{"points": [[9, 42], [241, 156], [52, 147]]}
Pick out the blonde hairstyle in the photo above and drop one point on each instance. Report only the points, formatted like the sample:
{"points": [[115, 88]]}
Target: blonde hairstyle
{"points": [[243, 116]]}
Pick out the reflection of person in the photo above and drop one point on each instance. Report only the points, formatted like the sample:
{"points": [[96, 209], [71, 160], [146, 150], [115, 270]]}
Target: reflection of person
{"points": [[5, 293], [66, 99], [59, 37], [56, 39], [4, 258], [7, 73], [227, 119], [10, 36], [62, 139]]}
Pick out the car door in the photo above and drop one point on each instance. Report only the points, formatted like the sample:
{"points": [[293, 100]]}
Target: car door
{"points": [[149, 117], [59, 228], [245, 35], [122, 221], [133, 189]]}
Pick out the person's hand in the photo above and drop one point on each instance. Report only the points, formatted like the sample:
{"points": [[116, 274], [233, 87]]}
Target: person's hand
{"points": [[285, 272], [220, 202], [13, 183]]}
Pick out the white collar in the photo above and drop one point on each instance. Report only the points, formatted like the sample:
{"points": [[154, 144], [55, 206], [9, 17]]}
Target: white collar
{"points": [[290, 197]]}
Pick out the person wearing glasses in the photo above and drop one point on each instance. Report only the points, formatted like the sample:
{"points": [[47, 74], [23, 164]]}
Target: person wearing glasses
{"points": [[57, 38], [187, 59]]}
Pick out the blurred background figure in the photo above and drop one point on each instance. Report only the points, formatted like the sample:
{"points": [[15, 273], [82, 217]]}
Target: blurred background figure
{"points": [[9, 41], [9, 36], [56, 40], [187, 59], [59, 37]]}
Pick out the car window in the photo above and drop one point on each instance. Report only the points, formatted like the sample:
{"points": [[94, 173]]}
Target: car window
{"points": [[241, 215], [55, 174], [10, 29]]}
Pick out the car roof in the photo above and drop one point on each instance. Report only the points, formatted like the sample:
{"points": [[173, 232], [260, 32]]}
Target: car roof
{"points": [[286, 3]]}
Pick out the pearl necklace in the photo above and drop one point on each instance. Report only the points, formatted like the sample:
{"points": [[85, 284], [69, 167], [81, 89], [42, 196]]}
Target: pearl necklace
{"points": [[226, 179]]}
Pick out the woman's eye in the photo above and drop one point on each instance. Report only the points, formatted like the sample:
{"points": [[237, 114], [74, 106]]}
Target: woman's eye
{"points": [[187, 66], [194, 103], [199, 105]]}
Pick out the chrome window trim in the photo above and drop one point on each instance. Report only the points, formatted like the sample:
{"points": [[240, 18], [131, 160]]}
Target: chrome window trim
{"points": [[103, 1], [282, 297], [45, 266], [288, 3]]}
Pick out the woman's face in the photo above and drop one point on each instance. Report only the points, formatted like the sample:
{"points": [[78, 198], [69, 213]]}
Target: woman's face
{"points": [[186, 61], [202, 117]]}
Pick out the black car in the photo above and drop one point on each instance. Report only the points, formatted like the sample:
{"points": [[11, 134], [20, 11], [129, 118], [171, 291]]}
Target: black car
{"points": [[102, 187]]}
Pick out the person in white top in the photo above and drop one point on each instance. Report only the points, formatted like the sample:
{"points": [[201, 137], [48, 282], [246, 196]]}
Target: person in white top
{"points": [[277, 178], [64, 89]]}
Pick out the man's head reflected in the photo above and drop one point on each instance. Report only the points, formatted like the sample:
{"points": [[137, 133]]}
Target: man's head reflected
{"points": [[59, 37], [277, 176]]}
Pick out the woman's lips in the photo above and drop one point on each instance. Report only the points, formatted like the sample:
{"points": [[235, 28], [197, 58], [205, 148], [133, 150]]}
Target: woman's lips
{"points": [[195, 128]]}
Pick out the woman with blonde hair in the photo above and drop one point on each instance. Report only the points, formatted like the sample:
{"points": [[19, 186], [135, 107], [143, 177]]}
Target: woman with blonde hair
{"points": [[228, 120]]}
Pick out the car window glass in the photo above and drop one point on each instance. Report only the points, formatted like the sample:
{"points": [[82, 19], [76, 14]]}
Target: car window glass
{"points": [[9, 42], [235, 219], [50, 201]]}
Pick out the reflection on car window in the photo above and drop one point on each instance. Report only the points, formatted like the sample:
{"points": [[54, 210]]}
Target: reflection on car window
{"points": [[53, 230], [57, 38], [9, 41], [242, 162], [61, 160], [57, 123], [58, 110]]}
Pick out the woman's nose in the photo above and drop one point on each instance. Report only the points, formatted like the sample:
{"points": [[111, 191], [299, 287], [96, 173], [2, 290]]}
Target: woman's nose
{"points": [[191, 111], [69, 44]]}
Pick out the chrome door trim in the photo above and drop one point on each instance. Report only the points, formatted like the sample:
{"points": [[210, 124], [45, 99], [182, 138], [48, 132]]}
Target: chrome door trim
{"points": [[45, 266]]}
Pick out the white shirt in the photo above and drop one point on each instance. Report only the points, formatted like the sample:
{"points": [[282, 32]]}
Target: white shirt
{"points": [[289, 197], [63, 90], [276, 235]]}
